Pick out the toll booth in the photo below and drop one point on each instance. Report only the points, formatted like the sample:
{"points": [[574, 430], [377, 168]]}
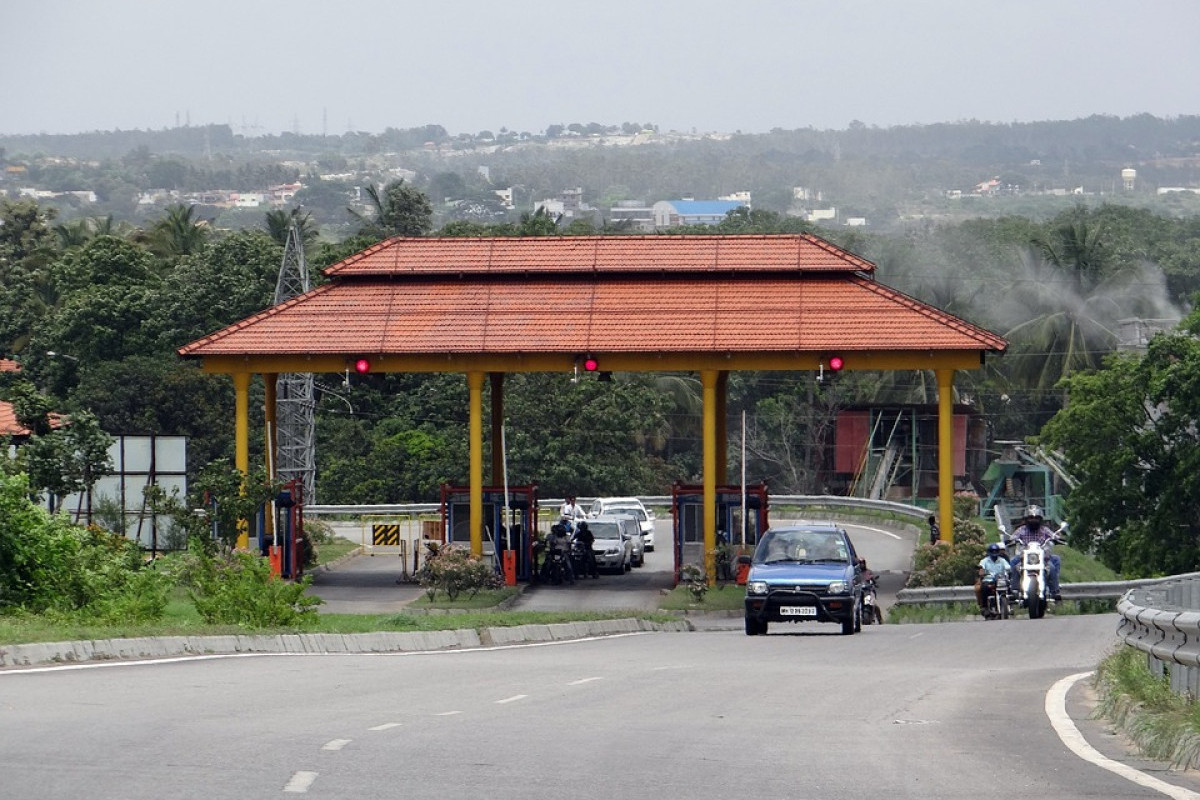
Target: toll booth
{"points": [[283, 542], [687, 515], [521, 523]]}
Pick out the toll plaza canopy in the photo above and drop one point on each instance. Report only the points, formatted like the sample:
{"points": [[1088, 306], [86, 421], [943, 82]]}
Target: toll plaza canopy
{"points": [[711, 304]]}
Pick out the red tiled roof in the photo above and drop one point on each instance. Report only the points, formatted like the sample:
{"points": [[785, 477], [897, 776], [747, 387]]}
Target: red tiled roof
{"points": [[8, 421], [652, 294], [8, 365], [610, 254]]}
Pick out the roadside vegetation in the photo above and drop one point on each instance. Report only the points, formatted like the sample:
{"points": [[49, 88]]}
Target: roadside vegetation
{"points": [[1164, 725]]}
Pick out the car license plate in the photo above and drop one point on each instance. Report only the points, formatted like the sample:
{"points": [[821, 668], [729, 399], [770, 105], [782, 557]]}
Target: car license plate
{"points": [[797, 611]]}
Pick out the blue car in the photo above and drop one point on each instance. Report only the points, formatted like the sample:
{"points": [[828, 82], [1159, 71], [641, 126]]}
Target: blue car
{"points": [[804, 573]]}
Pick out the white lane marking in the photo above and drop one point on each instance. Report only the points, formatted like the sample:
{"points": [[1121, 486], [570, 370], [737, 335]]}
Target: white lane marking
{"points": [[512, 699], [178, 659], [447, 713], [300, 782], [876, 530], [1056, 710], [336, 744], [583, 680], [385, 726]]}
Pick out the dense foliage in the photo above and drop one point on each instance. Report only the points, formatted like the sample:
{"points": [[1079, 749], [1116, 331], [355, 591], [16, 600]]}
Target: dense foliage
{"points": [[49, 565], [113, 300], [1131, 433]]}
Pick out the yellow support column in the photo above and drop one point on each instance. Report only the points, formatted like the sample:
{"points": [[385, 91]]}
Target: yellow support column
{"points": [[708, 380], [945, 382], [241, 443], [475, 389]]}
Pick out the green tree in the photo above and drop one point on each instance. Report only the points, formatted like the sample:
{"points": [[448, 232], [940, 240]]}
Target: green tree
{"points": [[399, 209], [27, 247], [232, 278], [1131, 436], [178, 233], [279, 224]]}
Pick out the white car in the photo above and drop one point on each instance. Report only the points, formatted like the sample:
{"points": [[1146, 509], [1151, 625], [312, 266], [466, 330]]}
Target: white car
{"points": [[613, 547], [627, 505]]}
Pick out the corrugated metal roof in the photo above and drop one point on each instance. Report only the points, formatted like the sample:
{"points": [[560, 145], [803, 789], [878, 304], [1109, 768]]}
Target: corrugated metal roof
{"points": [[705, 207]]}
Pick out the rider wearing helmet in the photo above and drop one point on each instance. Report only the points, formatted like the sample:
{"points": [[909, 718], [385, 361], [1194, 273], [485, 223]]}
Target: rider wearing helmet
{"points": [[1034, 529], [990, 566]]}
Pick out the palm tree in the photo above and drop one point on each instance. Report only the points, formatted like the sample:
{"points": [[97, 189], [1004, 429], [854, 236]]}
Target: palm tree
{"points": [[398, 210], [73, 234], [1075, 295], [178, 233], [279, 224]]}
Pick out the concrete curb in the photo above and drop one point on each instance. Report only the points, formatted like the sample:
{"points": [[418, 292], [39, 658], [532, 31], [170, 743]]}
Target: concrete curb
{"points": [[85, 651]]}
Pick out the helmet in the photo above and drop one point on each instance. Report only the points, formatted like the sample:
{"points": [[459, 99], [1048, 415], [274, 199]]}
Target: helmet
{"points": [[1033, 512], [993, 549]]}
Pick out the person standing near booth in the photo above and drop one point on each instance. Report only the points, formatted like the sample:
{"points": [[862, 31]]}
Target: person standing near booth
{"points": [[570, 512]]}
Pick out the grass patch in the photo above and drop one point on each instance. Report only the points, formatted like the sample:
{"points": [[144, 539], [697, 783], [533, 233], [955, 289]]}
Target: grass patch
{"points": [[1164, 725], [333, 549], [722, 597], [1079, 567]]}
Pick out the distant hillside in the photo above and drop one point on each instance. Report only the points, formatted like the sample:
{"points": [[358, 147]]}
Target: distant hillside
{"points": [[881, 176]]}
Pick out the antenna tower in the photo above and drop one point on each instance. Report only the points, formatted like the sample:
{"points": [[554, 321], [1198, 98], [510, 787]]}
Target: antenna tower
{"points": [[294, 398]]}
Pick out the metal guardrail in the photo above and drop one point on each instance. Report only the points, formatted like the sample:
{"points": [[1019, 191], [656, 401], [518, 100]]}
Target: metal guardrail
{"points": [[1099, 590], [1162, 619]]}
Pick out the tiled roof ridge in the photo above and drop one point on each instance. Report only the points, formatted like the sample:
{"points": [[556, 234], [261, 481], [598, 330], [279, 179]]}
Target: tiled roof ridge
{"points": [[993, 340], [491, 246], [830, 247], [251, 320]]}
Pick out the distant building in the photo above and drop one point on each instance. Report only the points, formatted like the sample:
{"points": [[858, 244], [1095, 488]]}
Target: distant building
{"points": [[638, 216], [674, 213]]}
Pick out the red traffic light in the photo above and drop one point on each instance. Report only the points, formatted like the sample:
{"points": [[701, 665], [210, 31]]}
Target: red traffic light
{"points": [[590, 364], [362, 366], [836, 363]]}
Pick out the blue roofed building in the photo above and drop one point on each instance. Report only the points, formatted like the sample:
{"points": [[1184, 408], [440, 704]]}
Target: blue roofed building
{"points": [[673, 213]]}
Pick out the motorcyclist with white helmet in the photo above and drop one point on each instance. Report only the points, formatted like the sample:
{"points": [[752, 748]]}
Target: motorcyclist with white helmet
{"points": [[1034, 529]]}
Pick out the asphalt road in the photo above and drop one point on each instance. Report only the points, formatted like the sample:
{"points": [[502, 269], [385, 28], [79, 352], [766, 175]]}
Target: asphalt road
{"points": [[367, 584], [956, 710]]}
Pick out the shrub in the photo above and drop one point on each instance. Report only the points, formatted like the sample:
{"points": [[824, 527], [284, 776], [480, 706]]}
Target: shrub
{"points": [[454, 570], [49, 565], [696, 581], [235, 588]]}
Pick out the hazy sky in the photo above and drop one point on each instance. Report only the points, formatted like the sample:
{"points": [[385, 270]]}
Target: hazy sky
{"points": [[317, 66]]}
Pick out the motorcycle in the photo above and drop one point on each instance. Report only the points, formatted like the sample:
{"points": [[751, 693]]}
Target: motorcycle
{"points": [[871, 613], [579, 557], [556, 570], [996, 604], [557, 567], [1033, 589]]}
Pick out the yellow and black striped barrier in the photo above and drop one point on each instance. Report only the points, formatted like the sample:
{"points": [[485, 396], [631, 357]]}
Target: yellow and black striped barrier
{"points": [[385, 535]]}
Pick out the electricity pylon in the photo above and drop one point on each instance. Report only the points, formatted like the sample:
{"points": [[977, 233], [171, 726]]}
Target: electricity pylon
{"points": [[295, 448]]}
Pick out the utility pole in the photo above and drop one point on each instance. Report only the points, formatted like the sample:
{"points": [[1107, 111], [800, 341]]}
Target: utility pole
{"points": [[294, 397]]}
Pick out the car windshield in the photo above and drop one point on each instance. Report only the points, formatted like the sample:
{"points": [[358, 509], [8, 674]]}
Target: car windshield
{"points": [[807, 547], [604, 530], [632, 511]]}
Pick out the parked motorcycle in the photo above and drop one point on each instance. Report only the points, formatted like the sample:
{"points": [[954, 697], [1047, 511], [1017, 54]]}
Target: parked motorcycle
{"points": [[871, 613]]}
